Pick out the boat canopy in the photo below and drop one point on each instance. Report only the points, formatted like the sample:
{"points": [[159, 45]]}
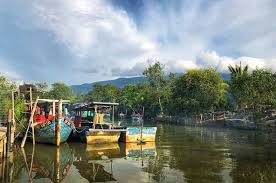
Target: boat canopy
{"points": [[93, 105], [52, 100]]}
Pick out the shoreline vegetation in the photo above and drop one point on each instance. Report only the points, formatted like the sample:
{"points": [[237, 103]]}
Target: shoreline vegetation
{"points": [[247, 99]]}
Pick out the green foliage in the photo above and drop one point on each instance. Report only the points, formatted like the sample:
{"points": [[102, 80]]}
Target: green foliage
{"points": [[198, 91], [20, 118], [238, 70], [263, 87], [103, 93], [59, 91], [240, 86], [137, 97], [155, 76], [6, 88], [252, 91]]}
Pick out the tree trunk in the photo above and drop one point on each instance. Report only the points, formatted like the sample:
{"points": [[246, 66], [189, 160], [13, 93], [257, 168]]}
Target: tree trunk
{"points": [[161, 108]]}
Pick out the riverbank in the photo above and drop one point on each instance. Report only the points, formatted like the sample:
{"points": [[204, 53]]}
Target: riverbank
{"points": [[268, 125]]}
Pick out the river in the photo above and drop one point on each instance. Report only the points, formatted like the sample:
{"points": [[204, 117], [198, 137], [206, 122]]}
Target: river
{"points": [[180, 154]]}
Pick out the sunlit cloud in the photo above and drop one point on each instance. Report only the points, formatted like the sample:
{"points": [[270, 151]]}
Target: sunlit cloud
{"points": [[84, 41]]}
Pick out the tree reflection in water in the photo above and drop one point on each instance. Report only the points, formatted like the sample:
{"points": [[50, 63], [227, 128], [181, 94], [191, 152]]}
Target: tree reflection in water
{"points": [[180, 154]]}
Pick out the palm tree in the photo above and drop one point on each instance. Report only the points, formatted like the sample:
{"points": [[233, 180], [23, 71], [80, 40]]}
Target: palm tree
{"points": [[238, 70]]}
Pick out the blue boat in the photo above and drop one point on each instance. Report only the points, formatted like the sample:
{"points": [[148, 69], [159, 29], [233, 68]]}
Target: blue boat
{"points": [[47, 133], [137, 119]]}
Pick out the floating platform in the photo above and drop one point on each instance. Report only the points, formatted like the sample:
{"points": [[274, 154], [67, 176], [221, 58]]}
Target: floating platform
{"points": [[138, 134]]}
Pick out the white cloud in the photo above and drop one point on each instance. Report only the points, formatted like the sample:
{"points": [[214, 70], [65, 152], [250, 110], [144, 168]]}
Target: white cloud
{"points": [[212, 59], [204, 59], [93, 29], [97, 40]]}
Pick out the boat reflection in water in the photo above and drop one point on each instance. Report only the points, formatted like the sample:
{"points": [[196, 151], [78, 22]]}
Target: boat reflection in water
{"points": [[140, 150], [96, 164], [49, 162], [73, 162]]}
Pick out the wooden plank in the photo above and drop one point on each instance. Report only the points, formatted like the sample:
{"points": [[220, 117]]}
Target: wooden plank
{"points": [[58, 124], [30, 122]]}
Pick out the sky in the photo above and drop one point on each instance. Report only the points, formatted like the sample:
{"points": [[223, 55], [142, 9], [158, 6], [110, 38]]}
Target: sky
{"points": [[82, 41]]}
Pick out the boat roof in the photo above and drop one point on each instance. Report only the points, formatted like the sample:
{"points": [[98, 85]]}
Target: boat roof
{"points": [[52, 100], [91, 105], [105, 103]]}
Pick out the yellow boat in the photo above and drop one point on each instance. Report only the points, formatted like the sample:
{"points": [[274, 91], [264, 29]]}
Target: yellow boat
{"points": [[138, 134]]}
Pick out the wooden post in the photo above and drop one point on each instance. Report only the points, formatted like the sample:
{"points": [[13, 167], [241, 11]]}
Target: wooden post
{"points": [[58, 124], [31, 98], [31, 101], [113, 114], [54, 108], [95, 117], [30, 123], [13, 113], [13, 120], [8, 145]]}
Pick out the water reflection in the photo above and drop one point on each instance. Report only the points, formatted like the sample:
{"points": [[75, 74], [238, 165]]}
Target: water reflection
{"points": [[181, 154]]}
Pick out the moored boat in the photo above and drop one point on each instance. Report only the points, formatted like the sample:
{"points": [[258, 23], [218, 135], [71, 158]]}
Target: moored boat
{"points": [[45, 122], [91, 127], [46, 133]]}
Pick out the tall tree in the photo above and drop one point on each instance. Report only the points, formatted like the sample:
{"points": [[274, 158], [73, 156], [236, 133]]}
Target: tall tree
{"points": [[155, 76], [198, 91], [238, 70], [240, 86], [103, 93], [60, 91], [263, 85]]}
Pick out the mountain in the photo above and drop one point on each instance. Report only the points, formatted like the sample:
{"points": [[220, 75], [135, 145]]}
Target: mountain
{"points": [[121, 82]]}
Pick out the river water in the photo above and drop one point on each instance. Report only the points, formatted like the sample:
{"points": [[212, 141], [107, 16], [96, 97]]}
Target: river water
{"points": [[180, 154]]}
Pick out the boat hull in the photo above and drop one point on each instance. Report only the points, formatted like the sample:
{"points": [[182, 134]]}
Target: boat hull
{"points": [[47, 133], [97, 136], [133, 134]]}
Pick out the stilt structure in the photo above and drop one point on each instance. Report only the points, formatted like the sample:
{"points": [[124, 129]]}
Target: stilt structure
{"points": [[9, 124], [31, 123]]}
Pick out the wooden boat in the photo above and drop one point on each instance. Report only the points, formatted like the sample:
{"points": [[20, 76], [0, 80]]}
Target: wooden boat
{"points": [[45, 126], [96, 131], [138, 134], [46, 133]]}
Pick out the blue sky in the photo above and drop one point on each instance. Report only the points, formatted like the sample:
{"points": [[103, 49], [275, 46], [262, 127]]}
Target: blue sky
{"points": [[84, 41]]}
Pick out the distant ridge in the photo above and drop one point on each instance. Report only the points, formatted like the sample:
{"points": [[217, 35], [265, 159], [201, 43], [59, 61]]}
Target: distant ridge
{"points": [[121, 82]]}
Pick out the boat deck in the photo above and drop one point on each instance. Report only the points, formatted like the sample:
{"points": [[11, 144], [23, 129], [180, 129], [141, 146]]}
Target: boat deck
{"points": [[107, 130]]}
